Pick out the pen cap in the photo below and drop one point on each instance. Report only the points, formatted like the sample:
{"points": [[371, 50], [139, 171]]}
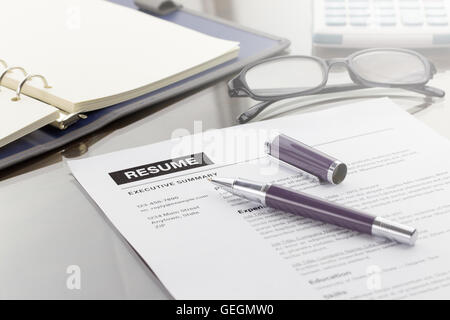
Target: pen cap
{"points": [[306, 158]]}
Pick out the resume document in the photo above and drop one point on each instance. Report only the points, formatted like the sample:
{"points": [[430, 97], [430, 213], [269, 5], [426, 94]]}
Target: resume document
{"points": [[204, 243]]}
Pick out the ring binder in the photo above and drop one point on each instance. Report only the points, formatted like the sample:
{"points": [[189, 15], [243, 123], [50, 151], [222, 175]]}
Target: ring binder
{"points": [[24, 80], [65, 119], [7, 70]]}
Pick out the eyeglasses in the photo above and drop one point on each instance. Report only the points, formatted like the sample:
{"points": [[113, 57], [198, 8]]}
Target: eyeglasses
{"points": [[287, 77]]}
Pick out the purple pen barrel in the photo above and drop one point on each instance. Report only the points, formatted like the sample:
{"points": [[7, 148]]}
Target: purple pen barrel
{"points": [[306, 158], [308, 206], [315, 208]]}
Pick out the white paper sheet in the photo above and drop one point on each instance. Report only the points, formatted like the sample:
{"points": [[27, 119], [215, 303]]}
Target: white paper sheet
{"points": [[204, 243]]}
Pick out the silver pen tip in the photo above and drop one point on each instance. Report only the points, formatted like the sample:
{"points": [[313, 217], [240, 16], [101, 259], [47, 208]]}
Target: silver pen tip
{"points": [[414, 237], [223, 182], [394, 231]]}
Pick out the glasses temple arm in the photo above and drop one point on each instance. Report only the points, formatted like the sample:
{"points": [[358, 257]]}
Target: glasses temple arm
{"points": [[425, 90], [254, 111], [260, 107], [428, 91], [341, 88]]}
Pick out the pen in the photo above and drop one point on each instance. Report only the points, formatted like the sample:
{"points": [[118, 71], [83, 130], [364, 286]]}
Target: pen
{"points": [[308, 206]]}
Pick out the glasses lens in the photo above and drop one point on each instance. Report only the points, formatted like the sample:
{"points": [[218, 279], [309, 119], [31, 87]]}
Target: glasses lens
{"points": [[284, 76], [390, 67]]}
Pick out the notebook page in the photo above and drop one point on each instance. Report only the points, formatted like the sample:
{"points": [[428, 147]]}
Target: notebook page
{"points": [[18, 118], [95, 53]]}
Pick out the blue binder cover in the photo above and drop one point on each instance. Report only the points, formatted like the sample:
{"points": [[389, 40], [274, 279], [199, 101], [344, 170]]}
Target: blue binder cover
{"points": [[254, 45]]}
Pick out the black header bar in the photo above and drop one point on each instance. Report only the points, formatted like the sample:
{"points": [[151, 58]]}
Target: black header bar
{"points": [[160, 168]]}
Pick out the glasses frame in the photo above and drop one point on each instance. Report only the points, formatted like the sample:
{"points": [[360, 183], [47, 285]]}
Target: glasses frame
{"points": [[238, 86]]}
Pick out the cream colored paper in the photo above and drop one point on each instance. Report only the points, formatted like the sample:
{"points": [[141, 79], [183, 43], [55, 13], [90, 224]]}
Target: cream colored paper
{"points": [[96, 53], [18, 118]]}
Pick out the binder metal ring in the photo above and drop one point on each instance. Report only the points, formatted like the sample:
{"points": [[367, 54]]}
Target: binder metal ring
{"points": [[9, 70], [28, 78], [3, 62]]}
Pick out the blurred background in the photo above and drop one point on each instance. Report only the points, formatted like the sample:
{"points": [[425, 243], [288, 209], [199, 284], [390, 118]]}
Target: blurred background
{"points": [[285, 18]]}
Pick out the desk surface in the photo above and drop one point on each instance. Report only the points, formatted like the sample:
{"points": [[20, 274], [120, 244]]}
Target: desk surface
{"points": [[47, 222]]}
